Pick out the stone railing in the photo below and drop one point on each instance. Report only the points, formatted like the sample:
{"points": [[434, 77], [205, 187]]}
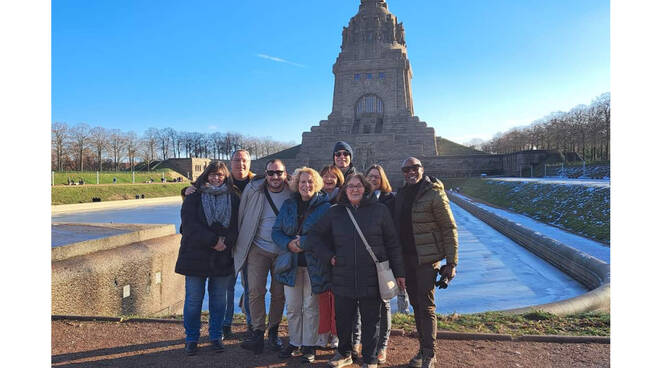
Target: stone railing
{"points": [[127, 274], [589, 271]]}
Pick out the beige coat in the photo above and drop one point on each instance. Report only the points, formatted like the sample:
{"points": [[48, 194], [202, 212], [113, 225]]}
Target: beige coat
{"points": [[252, 205]]}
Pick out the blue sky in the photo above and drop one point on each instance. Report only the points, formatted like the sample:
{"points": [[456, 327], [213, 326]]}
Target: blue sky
{"points": [[264, 68]]}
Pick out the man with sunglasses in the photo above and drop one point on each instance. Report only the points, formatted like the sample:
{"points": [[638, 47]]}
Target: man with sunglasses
{"points": [[342, 155], [428, 234], [255, 249]]}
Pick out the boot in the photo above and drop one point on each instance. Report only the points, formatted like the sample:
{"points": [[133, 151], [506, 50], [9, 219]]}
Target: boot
{"points": [[255, 343], [274, 342], [226, 332], [248, 332]]}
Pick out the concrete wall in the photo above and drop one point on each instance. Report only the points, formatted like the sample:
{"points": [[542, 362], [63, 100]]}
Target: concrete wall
{"points": [[589, 271], [135, 278]]}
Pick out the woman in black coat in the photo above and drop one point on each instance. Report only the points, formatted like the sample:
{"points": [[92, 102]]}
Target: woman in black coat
{"points": [[209, 228], [354, 280]]}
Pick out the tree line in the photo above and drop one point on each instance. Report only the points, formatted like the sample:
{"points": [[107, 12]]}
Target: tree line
{"points": [[585, 129], [81, 147]]}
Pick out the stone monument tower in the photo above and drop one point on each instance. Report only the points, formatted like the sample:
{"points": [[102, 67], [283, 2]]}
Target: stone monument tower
{"points": [[372, 106]]}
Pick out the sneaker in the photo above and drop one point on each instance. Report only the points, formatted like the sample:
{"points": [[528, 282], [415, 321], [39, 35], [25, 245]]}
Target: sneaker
{"points": [[369, 366], [428, 362], [191, 348], [334, 342], [308, 354], [218, 346], [382, 355], [339, 361], [416, 361], [289, 351]]}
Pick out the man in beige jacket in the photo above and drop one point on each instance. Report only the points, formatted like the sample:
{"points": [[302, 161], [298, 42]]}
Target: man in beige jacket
{"points": [[256, 251]]}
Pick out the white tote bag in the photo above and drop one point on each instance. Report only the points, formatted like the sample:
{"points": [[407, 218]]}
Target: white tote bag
{"points": [[386, 281]]}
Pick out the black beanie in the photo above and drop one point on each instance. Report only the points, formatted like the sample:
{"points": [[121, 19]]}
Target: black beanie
{"points": [[341, 145]]}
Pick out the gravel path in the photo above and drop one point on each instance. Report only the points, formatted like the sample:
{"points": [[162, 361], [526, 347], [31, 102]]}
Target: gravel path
{"points": [[133, 344]]}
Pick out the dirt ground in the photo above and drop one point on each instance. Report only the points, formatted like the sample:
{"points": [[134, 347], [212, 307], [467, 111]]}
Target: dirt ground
{"points": [[146, 344]]}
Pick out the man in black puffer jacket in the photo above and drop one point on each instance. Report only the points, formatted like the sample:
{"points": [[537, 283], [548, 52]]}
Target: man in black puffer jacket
{"points": [[354, 279]]}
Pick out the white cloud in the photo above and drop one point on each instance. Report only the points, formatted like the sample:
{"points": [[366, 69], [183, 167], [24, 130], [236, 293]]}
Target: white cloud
{"points": [[280, 60]]}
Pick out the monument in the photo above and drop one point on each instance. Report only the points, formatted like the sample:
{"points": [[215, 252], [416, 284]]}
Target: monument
{"points": [[373, 110]]}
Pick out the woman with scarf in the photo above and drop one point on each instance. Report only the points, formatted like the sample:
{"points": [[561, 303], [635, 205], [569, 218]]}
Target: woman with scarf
{"points": [[305, 277], [209, 227]]}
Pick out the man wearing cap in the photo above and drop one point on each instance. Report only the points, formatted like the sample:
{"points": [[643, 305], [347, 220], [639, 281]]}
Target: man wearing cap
{"points": [[342, 155], [428, 234]]}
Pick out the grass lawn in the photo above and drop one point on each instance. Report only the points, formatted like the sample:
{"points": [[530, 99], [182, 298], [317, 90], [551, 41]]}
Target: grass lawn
{"points": [[123, 177], [534, 323], [113, 192], [577, 208]]}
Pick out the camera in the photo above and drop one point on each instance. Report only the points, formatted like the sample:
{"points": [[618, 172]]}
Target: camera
{"points": [[443, 281]]}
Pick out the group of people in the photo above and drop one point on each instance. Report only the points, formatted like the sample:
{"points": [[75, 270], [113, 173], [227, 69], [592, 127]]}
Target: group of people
{"points": [[306, 230]]}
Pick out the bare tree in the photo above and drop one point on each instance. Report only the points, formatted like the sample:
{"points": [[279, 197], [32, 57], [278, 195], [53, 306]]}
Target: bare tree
{"points": [[79, 140], [59, 133], [132, 145], [164, 143], [149, 142], [98, 140], [117, 144]]}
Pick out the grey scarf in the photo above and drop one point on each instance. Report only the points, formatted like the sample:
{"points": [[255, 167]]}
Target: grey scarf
{"points": [[216, 202]]}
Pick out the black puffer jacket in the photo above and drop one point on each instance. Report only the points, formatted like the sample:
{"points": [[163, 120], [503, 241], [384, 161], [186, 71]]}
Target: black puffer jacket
{"points": [[196, 254], [354, 274]]}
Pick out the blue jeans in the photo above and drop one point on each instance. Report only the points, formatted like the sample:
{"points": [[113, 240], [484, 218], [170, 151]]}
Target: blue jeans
{"points": [[192, 306], [229, 312]]}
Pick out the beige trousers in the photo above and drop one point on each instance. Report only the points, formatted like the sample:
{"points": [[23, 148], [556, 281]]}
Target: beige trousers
{"points": [[302, 311], [259, 263]]}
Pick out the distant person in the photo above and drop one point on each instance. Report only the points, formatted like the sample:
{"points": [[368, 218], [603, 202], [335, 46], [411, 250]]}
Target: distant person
{"points": [[114, 180], [342, 157], [260, 204], [162, 179], [354, 279], [428, 234], [209, 219], [241, 176]]}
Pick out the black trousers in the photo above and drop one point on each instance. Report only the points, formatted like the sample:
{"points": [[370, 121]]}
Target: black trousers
{"points": [[420, 284], [345, 310]]}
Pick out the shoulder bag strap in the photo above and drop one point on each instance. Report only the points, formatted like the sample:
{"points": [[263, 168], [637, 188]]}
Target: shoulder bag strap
{"points": [[366, 245], [270, 201]]}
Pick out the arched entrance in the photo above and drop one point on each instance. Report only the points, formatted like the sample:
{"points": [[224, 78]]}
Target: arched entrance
{"points": [[368, 115]]}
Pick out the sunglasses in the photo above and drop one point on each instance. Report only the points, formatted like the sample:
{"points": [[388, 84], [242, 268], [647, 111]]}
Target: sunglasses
{"points": [[406, 169], [342, 153], [273, 172]]}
